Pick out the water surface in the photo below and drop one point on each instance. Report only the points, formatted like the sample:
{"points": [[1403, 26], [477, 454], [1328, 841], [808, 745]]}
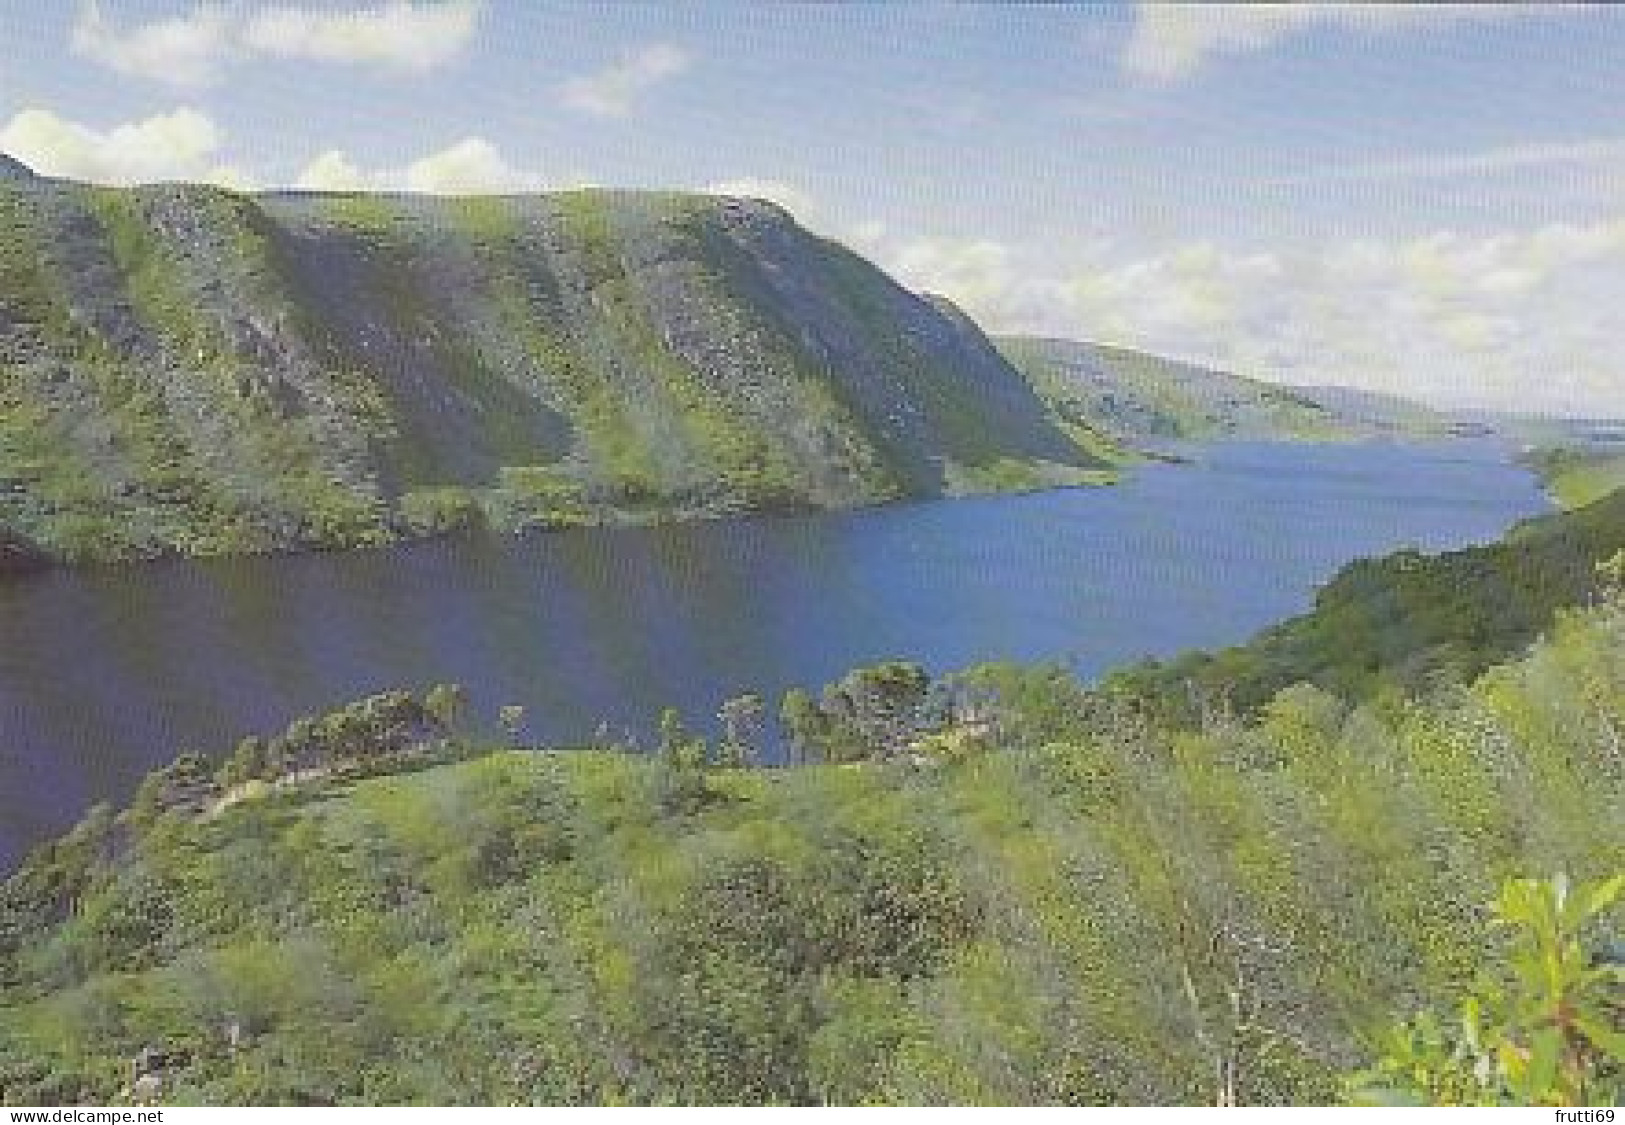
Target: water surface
{"points": [[105, 674]]}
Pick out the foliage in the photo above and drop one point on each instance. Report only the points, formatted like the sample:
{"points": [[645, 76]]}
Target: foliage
{"points": [[1547, 1034], [869, 713], [743, 720], [1401, 623]]}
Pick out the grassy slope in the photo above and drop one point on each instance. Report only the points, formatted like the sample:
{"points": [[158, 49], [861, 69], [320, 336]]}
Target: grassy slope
{"points": [[1576, 478], [1134, 397], [1008, 927], [187, 370]]}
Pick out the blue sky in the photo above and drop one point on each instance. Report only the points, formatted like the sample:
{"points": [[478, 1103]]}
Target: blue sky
{"points": [[1428, 200]]}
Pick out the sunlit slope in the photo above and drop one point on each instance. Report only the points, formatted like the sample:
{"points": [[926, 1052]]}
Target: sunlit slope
{"points": [[1136, 397], [187, 369]]}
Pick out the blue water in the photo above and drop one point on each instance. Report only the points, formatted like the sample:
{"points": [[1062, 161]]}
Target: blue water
{"points": [[105, 674]]}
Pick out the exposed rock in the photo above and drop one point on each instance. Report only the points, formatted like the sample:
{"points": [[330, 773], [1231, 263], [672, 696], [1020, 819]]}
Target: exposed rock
{"points": [[203, 371], [13, 169]]}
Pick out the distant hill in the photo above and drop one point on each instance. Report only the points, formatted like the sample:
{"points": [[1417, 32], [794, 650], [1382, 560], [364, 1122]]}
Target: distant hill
{"points": [[11, 169], [190, 370], [1138, 398], [1379, 411]]}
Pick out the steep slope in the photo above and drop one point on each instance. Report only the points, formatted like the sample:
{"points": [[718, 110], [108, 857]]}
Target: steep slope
{"points": [[187, 369], [1138, 398]]}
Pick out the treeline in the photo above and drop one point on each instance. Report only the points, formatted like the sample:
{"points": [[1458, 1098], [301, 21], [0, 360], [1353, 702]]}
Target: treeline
{"points": [[877, 713], [388, 731], [377, 732]]}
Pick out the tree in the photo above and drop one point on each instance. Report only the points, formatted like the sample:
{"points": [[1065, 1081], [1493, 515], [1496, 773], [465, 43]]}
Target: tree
{"points": [[389, 722], [683, 757], [874, 711], [186, 785], [803, 723], [674, 737], [446, 704], [1545, 1033], [251, 761], [511, 718], [304, 744], [339, 734], [743, 720]]}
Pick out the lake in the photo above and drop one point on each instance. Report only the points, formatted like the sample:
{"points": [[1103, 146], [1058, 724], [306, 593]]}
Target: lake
{"points": [[107, 673]]}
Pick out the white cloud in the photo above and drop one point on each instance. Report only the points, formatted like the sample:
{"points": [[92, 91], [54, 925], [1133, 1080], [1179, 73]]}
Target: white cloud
{"points": [[193, 50], [183, 51], [414, 37], [974, 272], [1608, 153], [614, 91], [180, 145], [472, 166], [334, 171], [1518, 320], [1170, 42]]}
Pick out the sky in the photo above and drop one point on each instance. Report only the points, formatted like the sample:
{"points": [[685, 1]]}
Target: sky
{"points": [[1428, 200]]}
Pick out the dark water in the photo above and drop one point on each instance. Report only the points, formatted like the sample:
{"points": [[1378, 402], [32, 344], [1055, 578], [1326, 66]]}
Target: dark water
{"points": [[106, 674]]}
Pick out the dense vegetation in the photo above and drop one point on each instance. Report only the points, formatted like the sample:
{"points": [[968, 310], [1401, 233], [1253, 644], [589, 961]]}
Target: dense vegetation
{"points": [[188, 370], [1400, 622], [1001, 886]]}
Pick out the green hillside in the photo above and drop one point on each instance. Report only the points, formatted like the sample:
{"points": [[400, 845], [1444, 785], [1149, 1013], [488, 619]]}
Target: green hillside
{"points": [[1134, 397], [184, 369], [1577, 476], [1400, 623], [1000, 887]]}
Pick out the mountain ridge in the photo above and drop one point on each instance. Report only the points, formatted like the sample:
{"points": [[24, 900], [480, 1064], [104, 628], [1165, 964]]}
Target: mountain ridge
{"points": [[1138, 398], [196, 371]]}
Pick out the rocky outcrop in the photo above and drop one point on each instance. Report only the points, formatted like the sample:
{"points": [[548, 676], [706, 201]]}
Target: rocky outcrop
{"points": [[195, 370]]}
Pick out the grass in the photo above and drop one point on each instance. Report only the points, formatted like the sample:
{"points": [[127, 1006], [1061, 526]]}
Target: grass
{"points": [[1577, 478]]}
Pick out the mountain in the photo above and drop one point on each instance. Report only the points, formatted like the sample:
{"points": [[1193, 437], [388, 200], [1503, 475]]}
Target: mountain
{"points": [[191, 370], [1381, 412], [12, 169], [1138, 398]]}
